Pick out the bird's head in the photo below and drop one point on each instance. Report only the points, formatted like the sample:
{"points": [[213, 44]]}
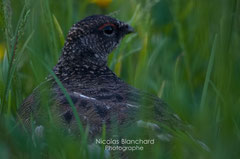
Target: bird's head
{"points": [[93, 38]]}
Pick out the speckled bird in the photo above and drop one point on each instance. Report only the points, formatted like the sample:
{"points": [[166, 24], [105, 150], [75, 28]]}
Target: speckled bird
{"points": [[98, 94]]}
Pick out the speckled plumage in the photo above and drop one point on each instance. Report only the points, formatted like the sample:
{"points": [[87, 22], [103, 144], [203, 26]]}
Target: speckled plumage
{"points": [[98, 94]]}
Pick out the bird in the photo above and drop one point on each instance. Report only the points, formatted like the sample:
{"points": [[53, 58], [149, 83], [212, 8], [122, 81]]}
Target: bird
{"points": [[98, 94]]}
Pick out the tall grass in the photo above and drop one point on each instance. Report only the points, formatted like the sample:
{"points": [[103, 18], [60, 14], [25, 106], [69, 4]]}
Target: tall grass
{"points": [[186, 52]]}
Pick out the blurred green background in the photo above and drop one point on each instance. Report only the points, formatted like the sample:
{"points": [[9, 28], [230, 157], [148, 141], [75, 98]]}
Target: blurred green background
{"points": [[184, 51]]}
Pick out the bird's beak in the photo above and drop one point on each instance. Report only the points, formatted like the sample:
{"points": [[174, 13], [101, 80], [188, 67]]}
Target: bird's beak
{"points": [[129, 29]]}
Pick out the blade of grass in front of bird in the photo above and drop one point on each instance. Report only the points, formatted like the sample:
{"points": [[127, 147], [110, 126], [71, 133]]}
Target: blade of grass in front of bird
{"points": [[68, 98], [82, 133], [208, 75]]}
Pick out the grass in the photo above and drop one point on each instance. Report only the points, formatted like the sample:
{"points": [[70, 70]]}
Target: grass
{"points": [[187, 52]]}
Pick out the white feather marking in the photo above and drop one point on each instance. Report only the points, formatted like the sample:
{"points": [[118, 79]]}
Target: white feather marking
{"points": [[130, 105], [150, 125], [39, 130], [83, 96]]}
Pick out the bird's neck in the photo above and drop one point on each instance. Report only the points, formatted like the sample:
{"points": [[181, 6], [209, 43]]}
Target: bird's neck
{"points": [[79, 62], [85, 74], [79, 52], [73, 65], [79, 66]]}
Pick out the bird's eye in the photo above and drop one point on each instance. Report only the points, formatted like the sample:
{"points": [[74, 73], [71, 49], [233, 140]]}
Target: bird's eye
{"points": [[108, 30]]}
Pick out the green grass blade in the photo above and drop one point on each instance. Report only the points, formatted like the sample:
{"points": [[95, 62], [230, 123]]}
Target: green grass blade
{"points": [[208, 75], [68, 99], [59, 30], [21, 22]]}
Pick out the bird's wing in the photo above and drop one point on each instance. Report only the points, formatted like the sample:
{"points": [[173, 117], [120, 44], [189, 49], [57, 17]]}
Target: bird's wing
{"points": [[154, 108], [95, 106]]}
